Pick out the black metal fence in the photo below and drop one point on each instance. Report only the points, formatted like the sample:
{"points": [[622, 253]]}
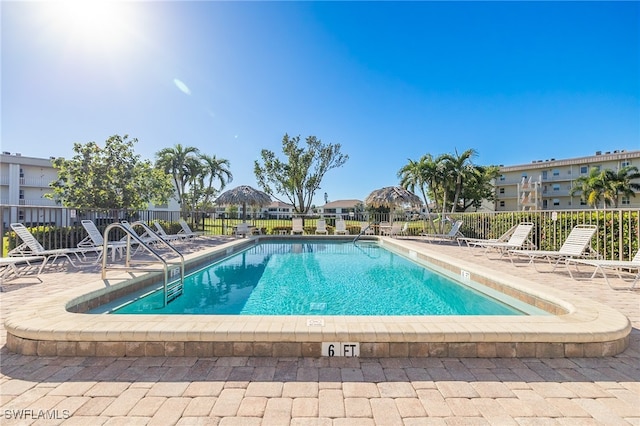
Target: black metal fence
{"points": [[58, 227]]}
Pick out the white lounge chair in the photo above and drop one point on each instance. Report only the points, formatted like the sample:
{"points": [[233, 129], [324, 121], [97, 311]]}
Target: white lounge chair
{"points": [[384, 228], [296, 226], [321, 227], [398, 229], [618, 266], [20, 266], [471, 242], [576, 245], [453, 234], [242, 230], [341, 227], [167, 237], [366, 228], [31, 247], [95, 239], [519, 239], [186, 230]]}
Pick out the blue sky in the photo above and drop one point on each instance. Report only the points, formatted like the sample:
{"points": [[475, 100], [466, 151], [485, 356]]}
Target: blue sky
{"points": [[389, 81]]}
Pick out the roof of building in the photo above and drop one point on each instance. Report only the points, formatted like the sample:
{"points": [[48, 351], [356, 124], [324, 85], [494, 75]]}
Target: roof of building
{"points": [[598, 156], [279, 204], [341, 203]]}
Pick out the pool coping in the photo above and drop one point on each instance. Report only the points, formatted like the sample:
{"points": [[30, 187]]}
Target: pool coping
{"points": [[582, 328]]}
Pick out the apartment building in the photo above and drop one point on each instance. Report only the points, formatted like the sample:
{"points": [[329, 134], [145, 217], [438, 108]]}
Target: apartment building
{"points": [[546, 184], [25, 180], [339, 208]]}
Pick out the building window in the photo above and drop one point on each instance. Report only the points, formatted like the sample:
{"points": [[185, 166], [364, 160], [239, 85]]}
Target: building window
{"points": [[21, 196], [556, 187], [502, 177], [556, 172], [21, 215], [501, 203], [524, 175], [556, 202], [584, 170], [544, 175], [582, 202], [625, 201], [625, 163], [545, 204], [502, 190]]}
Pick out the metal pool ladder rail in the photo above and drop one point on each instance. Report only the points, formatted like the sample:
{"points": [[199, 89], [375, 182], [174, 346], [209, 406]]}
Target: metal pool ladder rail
{"points": [[171, 289], [362, 231]]}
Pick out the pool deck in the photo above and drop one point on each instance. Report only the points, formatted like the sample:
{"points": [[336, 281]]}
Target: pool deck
{"points": [[310, 390]]}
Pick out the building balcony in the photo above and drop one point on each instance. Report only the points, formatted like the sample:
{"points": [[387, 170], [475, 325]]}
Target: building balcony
{"points": [[35, 182], [37, 202]]}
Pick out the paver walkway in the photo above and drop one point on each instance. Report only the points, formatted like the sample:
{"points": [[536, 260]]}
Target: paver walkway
{"points": [[321, 391]]}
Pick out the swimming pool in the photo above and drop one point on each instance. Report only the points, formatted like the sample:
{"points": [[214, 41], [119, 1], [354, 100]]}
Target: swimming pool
{"points": [[321, 278], [58, 323]]}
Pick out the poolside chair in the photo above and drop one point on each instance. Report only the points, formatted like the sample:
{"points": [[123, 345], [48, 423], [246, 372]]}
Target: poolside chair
{"points": [[31, 247], [242, 230], [398, 229], [167, 237], [366, 228], [321, 227], [20, 266], [296, 226], [186, 230], [577, 245], [618, 266], [95, 239], [384, 228], [341, 227], [470, 242], [148, 236], [452, 235], [519, 239]]}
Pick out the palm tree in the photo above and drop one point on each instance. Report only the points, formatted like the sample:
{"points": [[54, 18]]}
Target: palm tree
{"points": [[591, 187], [459, 167], [215, 169], [422, 175], [193, 171], [620, 184], [173, 161]]}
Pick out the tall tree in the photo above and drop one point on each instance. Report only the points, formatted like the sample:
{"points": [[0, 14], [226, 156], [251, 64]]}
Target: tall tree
{"points": [[420, 174], [109, 177], [459, 167], [214, 169], [591, 187], [299, 177], [621, 183], [174, 161], [479, 186]]}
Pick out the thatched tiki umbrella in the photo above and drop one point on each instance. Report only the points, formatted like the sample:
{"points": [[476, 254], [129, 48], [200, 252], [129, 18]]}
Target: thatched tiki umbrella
{"points": [[243, 194], [392, 196]]}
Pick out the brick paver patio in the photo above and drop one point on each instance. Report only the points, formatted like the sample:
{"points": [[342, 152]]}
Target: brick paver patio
{"points": [[323, 391]]}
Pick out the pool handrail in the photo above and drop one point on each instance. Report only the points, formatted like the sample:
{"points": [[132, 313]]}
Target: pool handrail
{"points": [[170, 293]]}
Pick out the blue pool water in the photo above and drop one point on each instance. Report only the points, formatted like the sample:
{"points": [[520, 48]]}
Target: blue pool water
{"points": [[318, 278]]}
